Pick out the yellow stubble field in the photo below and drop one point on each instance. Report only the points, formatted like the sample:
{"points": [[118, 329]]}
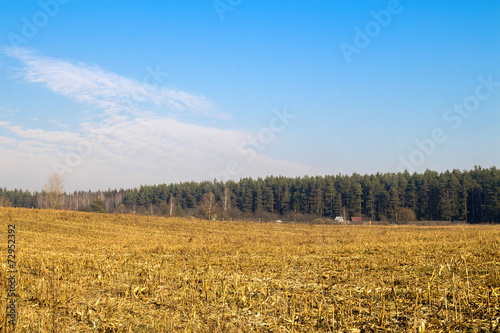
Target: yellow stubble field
{"points": [[88, 272]]}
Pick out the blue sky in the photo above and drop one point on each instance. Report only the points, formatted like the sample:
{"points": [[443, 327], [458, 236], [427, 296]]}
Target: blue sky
{"points": [[121, 93]]}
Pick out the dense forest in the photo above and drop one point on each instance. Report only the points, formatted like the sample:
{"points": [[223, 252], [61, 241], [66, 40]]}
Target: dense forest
{"points": [[471, 196]]}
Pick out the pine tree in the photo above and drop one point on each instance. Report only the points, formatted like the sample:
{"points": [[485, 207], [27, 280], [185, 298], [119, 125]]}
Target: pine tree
{"points": [[411, 195], [355, 199], [317, 198], [454, 190], [330, 196], [285, 200], [338, 204], [466, 188], [446, 205], [98, 206], [257, 204], [246, 197], [394, 203], [145, 196], [423, 212], [370, 204], [268, 199]]}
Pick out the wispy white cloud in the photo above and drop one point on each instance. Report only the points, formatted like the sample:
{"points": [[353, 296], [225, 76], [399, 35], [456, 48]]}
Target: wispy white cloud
{"points": [[56, 122], [101, 88], [42, 135], [128, 149]]}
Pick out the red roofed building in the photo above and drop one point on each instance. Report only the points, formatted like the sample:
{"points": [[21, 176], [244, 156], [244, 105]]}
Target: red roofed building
{"points": [[356, 219]]}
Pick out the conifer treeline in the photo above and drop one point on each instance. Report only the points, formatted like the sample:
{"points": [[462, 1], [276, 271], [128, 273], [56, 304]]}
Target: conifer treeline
{"points": [[472, 196]]}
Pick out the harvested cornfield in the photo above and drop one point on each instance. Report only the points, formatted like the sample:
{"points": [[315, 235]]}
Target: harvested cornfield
{"points": [[87, 272]]}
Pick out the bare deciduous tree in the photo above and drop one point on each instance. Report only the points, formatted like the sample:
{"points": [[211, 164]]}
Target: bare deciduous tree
{"points": [[171, 205], [54, 190], [407, 215], [226, 199], [208, 205]]}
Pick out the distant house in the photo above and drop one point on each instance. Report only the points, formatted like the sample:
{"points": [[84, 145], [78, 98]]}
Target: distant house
{"points": [[279, 221], [339, 219], [357, 219]]}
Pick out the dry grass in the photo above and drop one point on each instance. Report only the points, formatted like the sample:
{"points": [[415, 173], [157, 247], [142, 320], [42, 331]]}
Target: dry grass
{"points": [[84, 272]]}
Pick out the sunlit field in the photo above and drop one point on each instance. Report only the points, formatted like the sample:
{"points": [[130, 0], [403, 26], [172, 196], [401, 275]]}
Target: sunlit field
{"points": [[88, 272]]}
